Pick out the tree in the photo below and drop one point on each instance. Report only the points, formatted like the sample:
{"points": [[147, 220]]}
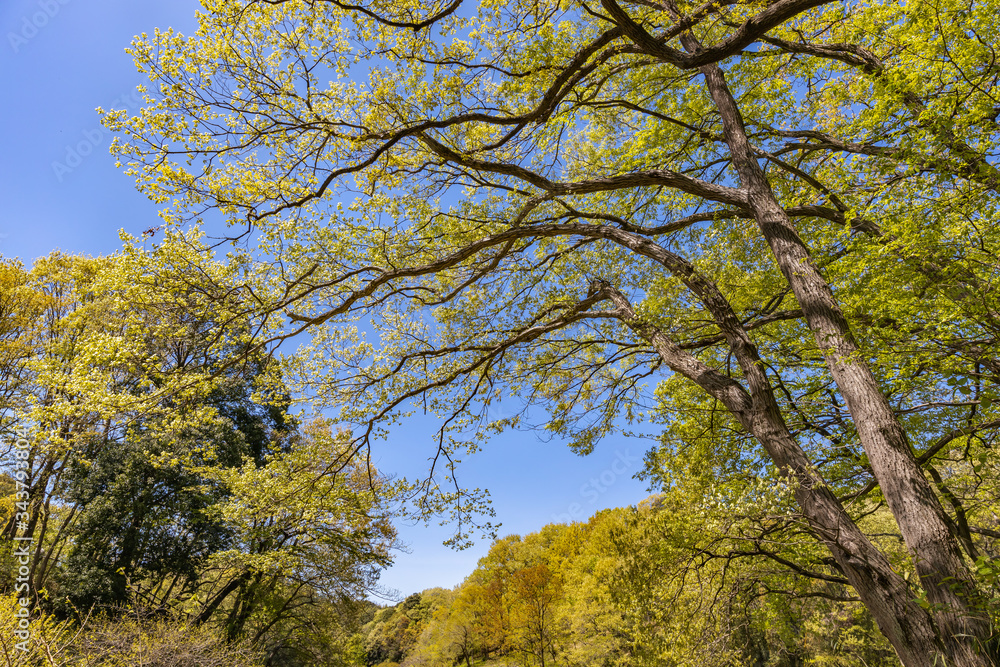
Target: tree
{"points": [[145, 512], [595, 628], [790, 207], [63, 314], [307, 530], [581, 594], [537, 591], [747, 590], [454, 634], [20, 308], [88, 368], [166, 475], [399, 635]]}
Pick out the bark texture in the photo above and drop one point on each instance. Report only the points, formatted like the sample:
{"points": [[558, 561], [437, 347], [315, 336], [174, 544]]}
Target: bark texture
{"points": [[921, 519], [956, 630], [908, 627]]}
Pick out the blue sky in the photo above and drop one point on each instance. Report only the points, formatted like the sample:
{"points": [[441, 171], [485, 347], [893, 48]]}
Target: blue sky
{"points": [[61, 59]]}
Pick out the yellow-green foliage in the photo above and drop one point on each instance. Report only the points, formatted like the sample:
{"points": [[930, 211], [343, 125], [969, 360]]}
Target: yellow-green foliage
{"points": [[646, 586], [587, 209], [95, 641], [165, 465]]}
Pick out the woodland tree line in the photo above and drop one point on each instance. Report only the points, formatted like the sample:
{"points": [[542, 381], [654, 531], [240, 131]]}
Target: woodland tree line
{"points": [[215, 506], [581, 594], [213, 530], [767, 229]]}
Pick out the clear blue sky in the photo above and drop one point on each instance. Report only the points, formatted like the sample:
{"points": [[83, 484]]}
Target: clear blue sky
{"points": [[59, 60]]}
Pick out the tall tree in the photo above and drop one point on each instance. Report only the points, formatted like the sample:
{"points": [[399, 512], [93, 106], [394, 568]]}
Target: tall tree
{"points": [[790, 206], [145, 514], [163, 468]]}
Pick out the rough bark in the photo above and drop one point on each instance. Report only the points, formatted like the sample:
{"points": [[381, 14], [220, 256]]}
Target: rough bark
{"points": [[961, 629], [921, 519], [907, 626]]}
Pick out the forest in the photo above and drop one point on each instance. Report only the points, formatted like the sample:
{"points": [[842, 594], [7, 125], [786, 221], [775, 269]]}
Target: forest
{"points": [[763, 231]]}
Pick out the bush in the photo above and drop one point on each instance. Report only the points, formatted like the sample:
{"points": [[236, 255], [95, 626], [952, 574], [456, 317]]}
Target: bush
{"points": [[124, 642]]}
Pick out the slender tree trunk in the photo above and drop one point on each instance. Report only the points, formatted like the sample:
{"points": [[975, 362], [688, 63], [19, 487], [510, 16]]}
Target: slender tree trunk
{"points": [[210, 608]]}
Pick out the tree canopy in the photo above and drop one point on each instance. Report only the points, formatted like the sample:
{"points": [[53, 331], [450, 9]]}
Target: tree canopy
{"points": [[163, 476], [768, 226]]}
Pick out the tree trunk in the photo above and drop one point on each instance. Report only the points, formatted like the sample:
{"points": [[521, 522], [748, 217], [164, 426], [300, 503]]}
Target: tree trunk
{"points": [[954, 630], [909, 628], [921, 519]]}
